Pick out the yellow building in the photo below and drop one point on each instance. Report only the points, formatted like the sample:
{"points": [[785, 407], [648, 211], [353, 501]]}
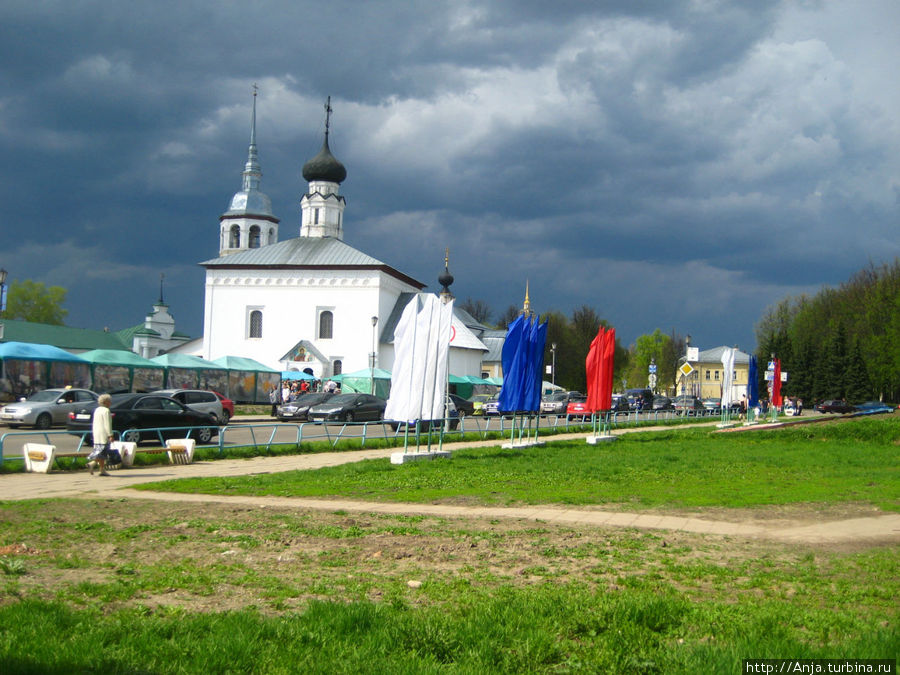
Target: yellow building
{"points": [[708, 375]]}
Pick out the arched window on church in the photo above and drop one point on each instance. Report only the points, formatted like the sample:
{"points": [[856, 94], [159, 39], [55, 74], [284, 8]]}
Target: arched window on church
{"points": [[316, 217], [235, 241], [271, 235], [256, 324], [254, 236], [338, 367], [326, 325]]}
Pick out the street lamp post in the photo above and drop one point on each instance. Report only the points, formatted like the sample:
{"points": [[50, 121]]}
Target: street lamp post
{"points": [[374, 354], [553, 366]]}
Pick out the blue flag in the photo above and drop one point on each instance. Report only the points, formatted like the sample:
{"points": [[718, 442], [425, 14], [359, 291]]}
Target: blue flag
{"points": [[513, 360], [534, 372], [752, 384]]}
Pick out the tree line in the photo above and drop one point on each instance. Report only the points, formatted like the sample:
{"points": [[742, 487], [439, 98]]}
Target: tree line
{"points": [[840, 343]]}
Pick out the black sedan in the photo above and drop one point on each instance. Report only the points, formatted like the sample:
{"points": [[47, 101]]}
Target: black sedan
{"points": [[835, 406], [297, 411], [138, 416], [348, 408]]}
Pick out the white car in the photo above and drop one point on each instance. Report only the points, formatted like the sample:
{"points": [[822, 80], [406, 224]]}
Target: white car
{"points": [[46, 408]]}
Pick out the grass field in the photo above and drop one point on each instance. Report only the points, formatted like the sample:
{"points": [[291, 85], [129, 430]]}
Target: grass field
{"points": [[127, 586], [824, 463]]}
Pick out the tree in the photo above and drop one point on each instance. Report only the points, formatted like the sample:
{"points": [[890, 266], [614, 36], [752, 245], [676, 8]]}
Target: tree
{"points": [[478, 309], [509, 315], [646, 348], [33, 301]]}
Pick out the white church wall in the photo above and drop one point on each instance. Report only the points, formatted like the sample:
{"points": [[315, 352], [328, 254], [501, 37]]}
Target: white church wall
{"points": [[291, 306]]}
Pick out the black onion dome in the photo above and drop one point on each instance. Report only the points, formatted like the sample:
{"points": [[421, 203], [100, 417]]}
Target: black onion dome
{"points": [[445, 279], [324, 167]]}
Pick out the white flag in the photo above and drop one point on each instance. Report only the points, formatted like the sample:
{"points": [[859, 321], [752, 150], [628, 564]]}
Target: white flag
{"points": [[728, 379], [421, 346]]}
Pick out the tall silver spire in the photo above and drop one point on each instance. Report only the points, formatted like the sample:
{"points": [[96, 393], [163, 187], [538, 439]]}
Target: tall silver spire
{"points": [[252, 171]]}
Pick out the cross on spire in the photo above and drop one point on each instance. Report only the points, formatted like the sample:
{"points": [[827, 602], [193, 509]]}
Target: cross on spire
{"points": [[328, 112]]}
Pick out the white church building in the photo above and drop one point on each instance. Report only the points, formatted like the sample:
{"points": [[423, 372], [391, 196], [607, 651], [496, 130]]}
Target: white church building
{"points": [[311, 302]]}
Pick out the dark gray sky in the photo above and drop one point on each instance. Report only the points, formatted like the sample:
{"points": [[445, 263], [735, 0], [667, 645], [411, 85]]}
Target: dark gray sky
{"points": [[671, 164]]}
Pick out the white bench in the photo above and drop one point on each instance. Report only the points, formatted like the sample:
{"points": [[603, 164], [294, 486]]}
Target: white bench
{"points": [[180, 450], [39, 456]]}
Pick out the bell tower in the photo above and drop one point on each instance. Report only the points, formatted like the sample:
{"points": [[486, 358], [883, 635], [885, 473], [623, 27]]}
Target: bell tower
{"points": [[322, 207], [248, 222]]}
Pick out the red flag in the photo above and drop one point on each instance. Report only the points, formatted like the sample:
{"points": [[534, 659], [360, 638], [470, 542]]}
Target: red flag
{"points": [[776, 385], [606, 380], [592, 365]]}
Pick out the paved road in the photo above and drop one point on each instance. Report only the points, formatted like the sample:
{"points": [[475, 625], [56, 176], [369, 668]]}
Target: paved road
{"points": [[19, 486]]}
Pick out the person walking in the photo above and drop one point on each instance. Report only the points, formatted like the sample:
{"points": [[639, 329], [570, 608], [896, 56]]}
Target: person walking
{"points": [[101, 430]]}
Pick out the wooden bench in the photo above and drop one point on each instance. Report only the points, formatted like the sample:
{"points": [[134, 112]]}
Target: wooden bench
{"points": [[178, 450]]}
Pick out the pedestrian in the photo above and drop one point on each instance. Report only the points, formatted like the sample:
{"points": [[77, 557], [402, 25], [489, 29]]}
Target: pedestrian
{"points": [[743, 413], [101, 430], [273, 399]]}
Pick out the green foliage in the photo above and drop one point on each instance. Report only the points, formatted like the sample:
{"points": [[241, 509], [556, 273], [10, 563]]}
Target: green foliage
{"points": [[842, 342], [655, 347], [573, 341], [33, 301]]}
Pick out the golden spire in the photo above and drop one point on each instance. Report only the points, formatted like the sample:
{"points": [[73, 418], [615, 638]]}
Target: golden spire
{"points": [[526, 307]]}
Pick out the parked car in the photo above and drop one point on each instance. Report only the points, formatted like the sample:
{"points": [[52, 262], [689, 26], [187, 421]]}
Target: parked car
{"points": [[713, 405], [639, 399], [662, 403], [46, 408], [478, 402], [577, 407], [227, 407], [620, 403], [298, 410], [463, 406], [687, 404], [874, 408], [491, 406], [348, 408], [138, 416], [198, 399], [557, 402], [426, 425], [835, 406]]}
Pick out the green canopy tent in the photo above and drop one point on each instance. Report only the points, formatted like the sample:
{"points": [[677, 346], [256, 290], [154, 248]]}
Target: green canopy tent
{"points": [[249, 381], [460, 386], [361, 381], [122, 370], [29, 367], [191, 372]]}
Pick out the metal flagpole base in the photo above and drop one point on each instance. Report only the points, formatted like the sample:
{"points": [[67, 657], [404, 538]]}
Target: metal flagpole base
{"points": [[407, 457], [602, 438]]}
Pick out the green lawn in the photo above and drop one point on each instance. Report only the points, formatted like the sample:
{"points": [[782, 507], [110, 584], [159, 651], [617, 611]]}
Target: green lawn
{"points": [[124, 586], [854, 461]]}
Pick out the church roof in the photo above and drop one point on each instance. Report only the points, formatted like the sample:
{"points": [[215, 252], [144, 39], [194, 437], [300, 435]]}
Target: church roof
{"points": [[306, 253], [64, 337]]}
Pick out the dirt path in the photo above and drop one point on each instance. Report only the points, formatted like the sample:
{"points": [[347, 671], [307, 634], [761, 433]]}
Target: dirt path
{"points": [[804, 528]]}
